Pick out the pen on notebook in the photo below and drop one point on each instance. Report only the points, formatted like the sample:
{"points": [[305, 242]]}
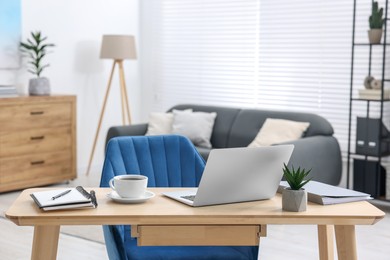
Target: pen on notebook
{"points": [[60, 195]]}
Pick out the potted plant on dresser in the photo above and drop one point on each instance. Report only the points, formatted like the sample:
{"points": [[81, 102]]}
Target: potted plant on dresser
{"points": [[36, 50], [294, 198], [376, 23]]}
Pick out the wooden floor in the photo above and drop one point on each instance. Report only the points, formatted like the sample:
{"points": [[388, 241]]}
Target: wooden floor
{"points": [[86, 242]]}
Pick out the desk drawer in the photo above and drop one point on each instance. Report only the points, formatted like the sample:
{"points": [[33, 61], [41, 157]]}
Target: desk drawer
{"points": [[35, 166], [16, 117], [198, 235], [16, 143]]}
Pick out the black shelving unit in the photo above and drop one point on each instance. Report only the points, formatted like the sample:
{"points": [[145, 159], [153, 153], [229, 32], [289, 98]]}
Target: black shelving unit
{"points": [[367, 165]]}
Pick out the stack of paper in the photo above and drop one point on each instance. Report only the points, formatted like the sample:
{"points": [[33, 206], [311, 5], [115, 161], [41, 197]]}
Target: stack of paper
{"points": [[8, 91], [326, 194], [64, 198]]}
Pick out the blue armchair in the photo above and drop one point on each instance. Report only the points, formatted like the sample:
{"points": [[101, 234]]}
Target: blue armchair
{"points": [[167, 161]]}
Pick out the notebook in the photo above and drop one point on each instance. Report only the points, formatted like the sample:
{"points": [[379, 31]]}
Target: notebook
{"points": [[326, 194], [236, 175], [66, 198]]}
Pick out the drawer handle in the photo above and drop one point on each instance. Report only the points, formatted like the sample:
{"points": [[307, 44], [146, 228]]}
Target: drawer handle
{"points": [[34, 113], [37, 137], [37, 162]]}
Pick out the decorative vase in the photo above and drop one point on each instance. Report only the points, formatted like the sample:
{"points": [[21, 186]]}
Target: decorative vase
{"points": [[375, 36], [39, 87], [294, 200]]}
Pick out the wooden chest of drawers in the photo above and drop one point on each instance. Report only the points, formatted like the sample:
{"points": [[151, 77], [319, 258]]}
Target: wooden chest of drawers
{"points": [[37, 141]]}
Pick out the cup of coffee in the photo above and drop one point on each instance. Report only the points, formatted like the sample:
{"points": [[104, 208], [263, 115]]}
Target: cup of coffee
{"points": [[129, 186]]}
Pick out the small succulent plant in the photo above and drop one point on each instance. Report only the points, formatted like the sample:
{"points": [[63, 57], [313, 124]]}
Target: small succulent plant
{"points": [[296, 178], [375, 20]]}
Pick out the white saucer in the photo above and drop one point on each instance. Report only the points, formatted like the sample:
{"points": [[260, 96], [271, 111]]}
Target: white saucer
{"points": [[114, 196]]}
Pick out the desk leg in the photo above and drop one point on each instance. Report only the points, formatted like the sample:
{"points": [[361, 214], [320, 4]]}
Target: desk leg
{"points": [[45, 242], [325, 242], [346, 242]]}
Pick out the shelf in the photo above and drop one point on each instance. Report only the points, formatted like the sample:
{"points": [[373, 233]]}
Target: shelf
{"points": [[373, 100], [375, 155], [369, 157], [372, 44]]}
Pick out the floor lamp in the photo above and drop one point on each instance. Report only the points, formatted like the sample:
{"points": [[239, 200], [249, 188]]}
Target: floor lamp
{"points": [[117, 48]]}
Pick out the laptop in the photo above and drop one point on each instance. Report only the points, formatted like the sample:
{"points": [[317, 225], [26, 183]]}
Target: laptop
{"points": [[236, 175]]}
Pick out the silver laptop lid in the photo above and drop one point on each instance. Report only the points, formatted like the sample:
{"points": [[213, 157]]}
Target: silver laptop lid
{"points": [[242, 174]]}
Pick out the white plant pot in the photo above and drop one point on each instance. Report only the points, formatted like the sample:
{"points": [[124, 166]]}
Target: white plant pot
{"points": [[39, 87], [294, 200], [375, 36]]}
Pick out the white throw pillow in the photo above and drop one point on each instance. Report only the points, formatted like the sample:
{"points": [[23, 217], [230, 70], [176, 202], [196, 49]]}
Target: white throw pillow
{"points": [[276, 131], [197, 126], [161, 123]]}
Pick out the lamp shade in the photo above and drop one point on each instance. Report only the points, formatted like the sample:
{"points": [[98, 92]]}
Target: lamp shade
{"points": [[118, 47]]}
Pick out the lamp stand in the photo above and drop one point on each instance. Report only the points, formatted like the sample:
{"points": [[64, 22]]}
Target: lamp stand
{"points": [[125, 99], [124, 104]]}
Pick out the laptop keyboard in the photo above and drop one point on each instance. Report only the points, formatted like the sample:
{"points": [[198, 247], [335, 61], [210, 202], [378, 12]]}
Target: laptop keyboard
{"points": [[190, 197]]}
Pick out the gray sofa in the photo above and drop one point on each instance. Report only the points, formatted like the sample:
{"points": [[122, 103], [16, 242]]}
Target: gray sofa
{"points": [[318, 149]]}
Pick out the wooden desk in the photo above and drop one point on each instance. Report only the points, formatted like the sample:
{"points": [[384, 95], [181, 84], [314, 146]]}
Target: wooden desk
{"points": [[162, 214]]}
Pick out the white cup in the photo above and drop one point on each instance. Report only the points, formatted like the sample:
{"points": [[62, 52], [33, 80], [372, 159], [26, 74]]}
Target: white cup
{"points": [[129, 186]]}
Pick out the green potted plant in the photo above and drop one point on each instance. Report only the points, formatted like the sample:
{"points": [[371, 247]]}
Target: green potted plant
{"points": [[376, 23], [36, 49], [294, 198]]}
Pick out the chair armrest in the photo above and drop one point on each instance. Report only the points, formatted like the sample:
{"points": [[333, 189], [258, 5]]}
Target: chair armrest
{"points": [[321, 154], [127, 130]]}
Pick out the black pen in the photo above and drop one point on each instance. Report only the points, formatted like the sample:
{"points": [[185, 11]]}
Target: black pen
{"points": [[61, 194]]}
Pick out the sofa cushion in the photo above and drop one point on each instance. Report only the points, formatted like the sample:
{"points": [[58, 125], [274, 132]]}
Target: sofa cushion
{"points": [[249, 121], [276, 131], [222, 125], [161, 123], [197, 126]]}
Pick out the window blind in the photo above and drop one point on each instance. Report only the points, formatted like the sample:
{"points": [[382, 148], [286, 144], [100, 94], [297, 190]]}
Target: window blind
{"points": [[282, 55], [204, 52], [305, 57]]}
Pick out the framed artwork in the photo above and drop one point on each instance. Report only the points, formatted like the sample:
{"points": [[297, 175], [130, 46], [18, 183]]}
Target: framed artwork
{"points": [[10, 34]]}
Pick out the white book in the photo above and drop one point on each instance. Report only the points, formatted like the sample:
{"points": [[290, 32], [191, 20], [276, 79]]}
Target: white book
{"points": [[326, 194], [374, 94], [8, 90]]}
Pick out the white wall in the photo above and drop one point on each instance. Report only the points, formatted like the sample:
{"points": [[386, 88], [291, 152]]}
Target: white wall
{"points": [[76, 27]]}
